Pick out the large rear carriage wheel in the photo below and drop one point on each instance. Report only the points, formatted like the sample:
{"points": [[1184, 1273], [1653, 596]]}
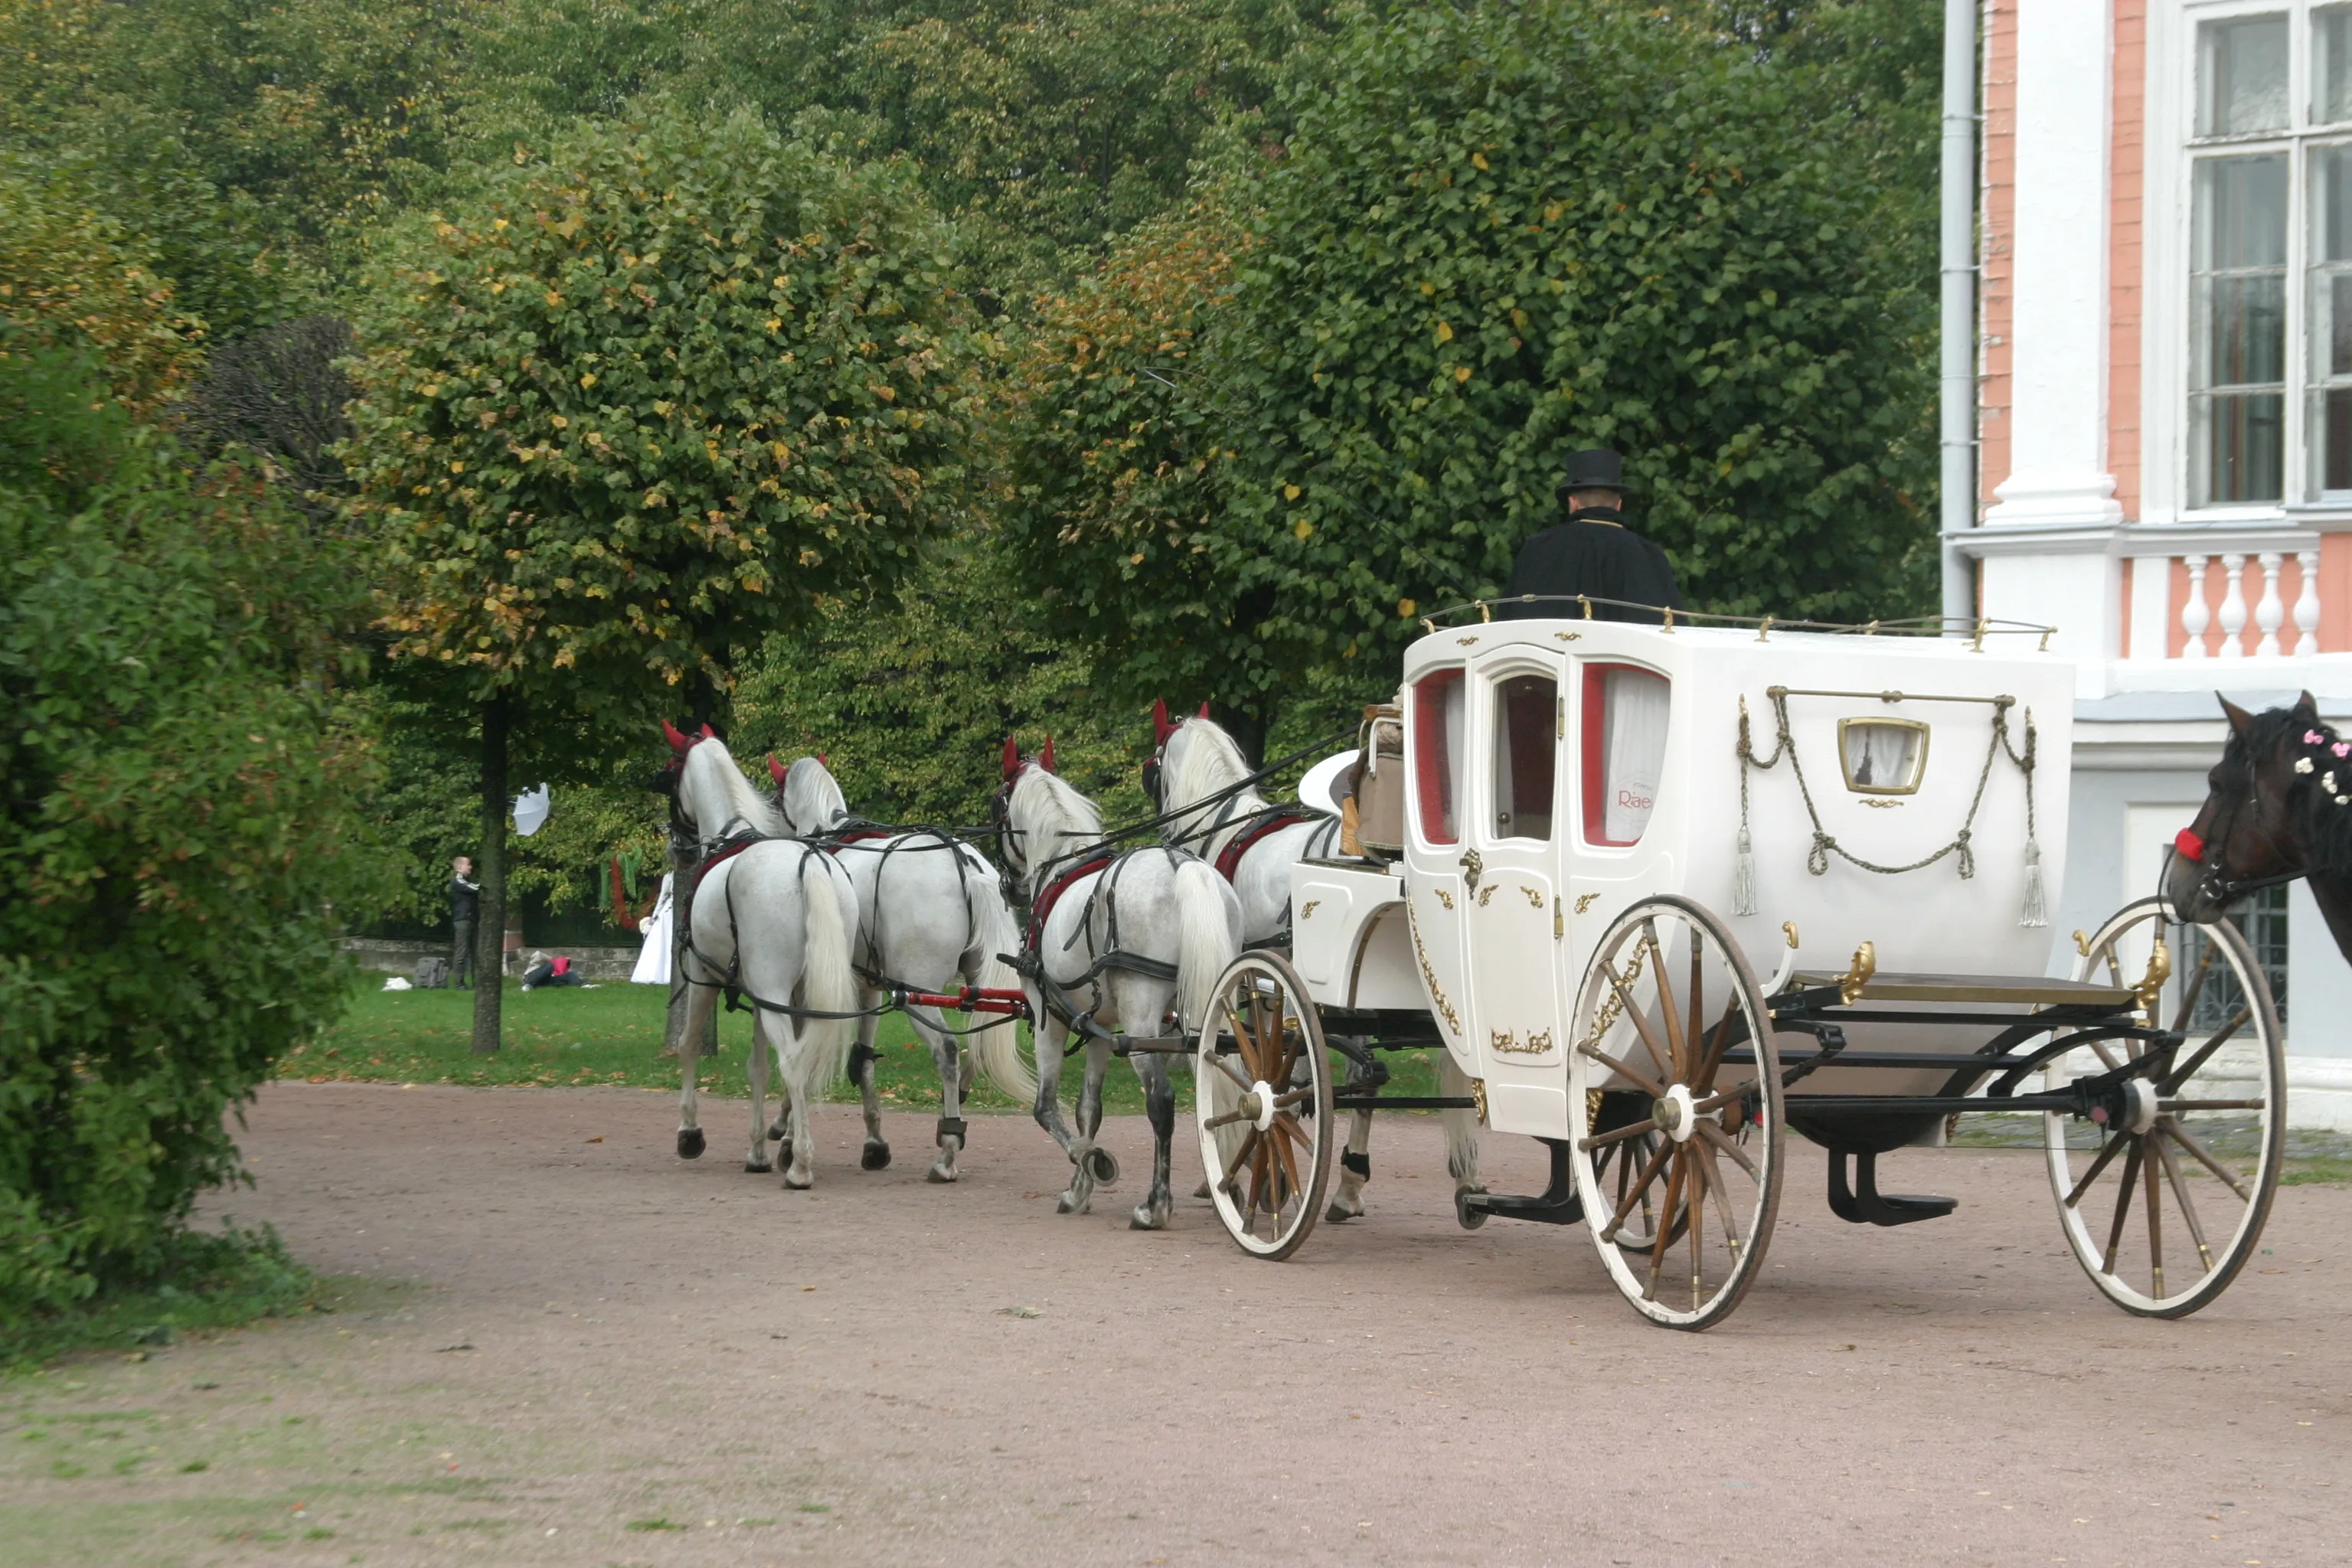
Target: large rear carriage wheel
{"points": [[1674, 1112], [2164, 1202], [1262, 1095]]}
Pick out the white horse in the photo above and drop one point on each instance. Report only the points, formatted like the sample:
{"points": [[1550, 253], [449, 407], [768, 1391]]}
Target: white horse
{"points": [[931, 916], [1196, 782], [773, 917], [1135, 947]]}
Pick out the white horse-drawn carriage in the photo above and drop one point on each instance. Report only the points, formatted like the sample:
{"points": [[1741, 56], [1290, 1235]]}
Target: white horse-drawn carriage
{"points": [[1663, 894]]}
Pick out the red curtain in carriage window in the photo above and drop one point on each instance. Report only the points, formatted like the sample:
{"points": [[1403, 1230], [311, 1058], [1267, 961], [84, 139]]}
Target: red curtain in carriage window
{"points": [[1437, 739]]}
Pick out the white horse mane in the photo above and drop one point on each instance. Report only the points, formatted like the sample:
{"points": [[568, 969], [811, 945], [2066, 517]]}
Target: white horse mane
{"points": [[1203, 761], [1053, 819], [709, 767], [812, 800]]}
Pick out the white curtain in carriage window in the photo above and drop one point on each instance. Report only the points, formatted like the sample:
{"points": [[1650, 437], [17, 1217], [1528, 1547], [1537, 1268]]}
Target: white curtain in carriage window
{"points": [[1882, 758], [1626, 727]]}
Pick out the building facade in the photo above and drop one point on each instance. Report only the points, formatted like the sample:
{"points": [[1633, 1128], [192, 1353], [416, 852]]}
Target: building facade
{"points": [[2165, 418]]}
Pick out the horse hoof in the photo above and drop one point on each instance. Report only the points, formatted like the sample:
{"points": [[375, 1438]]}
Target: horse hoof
{"points": [[758, 1166], [1070, 1202], [1102, 1166], [795, 1182], [1151, 1216], [776, 1131], [876, 1156], [1203, 1190], [690, 1142], [1336, 1214], [1470, 1218], [940, 1173]]}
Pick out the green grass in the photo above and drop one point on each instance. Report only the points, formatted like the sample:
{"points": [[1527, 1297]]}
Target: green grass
{"points": [[612, 1036], [2314, 1158], [199, 1281]]}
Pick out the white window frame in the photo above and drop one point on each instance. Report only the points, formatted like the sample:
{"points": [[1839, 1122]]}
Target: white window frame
{"points": [[2171, 152]]}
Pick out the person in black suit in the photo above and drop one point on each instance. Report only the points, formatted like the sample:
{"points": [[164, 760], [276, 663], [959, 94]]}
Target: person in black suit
{"points": [[465, 909], [1593, 552]]}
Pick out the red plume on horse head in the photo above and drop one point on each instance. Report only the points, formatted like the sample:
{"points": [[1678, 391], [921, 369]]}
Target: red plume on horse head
{"points": [[677, 740], [1160, 728], [1045, 758], [1205, 709], [777, 770], [1012, 757]]}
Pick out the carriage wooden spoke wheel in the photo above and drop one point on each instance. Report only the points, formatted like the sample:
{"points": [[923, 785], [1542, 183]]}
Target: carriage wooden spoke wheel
{"points": [[1674, 1112], [1262, 1094], [2163, 1194]]}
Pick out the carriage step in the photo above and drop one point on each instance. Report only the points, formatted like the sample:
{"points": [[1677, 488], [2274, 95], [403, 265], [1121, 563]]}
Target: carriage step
{"points": [[1863, 1204], [1557, 1204]]}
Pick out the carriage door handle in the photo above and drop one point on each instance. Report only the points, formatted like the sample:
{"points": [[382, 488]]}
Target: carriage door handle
{"points": [[1472, 868]]}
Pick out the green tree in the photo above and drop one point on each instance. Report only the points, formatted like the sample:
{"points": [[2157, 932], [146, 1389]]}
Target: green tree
{"points": [[179, 825], [1508, 231], [629, 409], [912, 693]]}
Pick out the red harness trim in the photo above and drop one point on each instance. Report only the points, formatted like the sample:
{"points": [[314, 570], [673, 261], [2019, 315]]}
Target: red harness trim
{"points": [[727, 854], [1052, 895], [1228, 858], [860, 837]]}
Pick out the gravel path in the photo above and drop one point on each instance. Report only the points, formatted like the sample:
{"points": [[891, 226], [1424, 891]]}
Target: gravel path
{"points": [[566, 1346]]}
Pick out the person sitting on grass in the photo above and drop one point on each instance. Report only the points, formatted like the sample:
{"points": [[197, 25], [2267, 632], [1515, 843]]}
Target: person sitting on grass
{"points": [[542, 971]]}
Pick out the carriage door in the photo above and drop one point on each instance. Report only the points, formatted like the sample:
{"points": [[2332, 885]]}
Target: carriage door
{"points": [[1436, 853], [1513, 915]]}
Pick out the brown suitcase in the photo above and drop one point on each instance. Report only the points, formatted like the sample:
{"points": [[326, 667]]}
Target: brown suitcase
{"points": [[1378, 782]]}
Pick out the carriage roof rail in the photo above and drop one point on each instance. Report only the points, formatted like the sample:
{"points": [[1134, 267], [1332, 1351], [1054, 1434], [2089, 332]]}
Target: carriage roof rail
{"points": [[1974, 630]]}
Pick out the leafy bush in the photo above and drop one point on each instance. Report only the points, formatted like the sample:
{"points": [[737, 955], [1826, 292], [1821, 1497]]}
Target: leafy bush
{"points": [[1508, 231], [643, 395], [175, 831], [73, 278]]}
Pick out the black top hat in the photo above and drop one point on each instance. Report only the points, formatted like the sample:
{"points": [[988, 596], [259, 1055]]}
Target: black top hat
{"points": [[1597, 468]]}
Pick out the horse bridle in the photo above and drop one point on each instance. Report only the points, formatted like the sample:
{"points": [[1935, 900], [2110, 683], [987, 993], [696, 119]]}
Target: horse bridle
{"points": [[2221, 891]]}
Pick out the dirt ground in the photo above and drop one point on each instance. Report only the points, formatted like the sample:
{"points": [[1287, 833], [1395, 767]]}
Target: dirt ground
{"points": [[561, 1344]]}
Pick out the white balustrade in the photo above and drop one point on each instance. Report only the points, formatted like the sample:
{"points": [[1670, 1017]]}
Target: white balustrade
{"points": [[2195, 616], [2233, 607], [2306, 604], [2270, 612]]}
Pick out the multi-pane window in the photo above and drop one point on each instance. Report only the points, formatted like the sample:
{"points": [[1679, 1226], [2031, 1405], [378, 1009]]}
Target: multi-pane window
{"points": [[2262, 920], [2270, 364]]}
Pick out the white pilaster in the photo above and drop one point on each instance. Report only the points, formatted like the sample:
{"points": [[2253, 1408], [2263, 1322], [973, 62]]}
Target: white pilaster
{"points": [[2059, 326]]}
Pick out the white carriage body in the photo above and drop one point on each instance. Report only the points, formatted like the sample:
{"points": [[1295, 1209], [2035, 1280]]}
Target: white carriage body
{"points": [[1519, 855]]}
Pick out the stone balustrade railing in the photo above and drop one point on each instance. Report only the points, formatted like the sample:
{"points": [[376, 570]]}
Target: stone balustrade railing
{"points": [[2253, 592]]}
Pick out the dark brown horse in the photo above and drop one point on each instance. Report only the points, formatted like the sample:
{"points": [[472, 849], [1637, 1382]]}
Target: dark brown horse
{"points": [[2279, 807]]}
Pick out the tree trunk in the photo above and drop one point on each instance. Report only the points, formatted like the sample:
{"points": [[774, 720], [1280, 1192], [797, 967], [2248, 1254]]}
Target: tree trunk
{"points": [[491, 931], [1249, 727]]}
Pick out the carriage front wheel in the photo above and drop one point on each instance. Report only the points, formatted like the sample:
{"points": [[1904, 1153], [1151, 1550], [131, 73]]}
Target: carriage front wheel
{"points": [[1674, 1112], [2164, 1200], [1262, 1095]]}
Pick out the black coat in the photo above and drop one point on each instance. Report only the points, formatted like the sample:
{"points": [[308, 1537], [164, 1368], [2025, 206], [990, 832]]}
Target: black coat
{"points": [[1594, 556]]}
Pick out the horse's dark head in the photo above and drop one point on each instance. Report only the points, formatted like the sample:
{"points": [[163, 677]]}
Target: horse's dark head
{"points": [[2278, 765]]}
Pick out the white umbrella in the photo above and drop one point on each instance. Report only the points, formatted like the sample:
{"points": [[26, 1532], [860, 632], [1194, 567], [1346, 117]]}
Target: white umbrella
{"points": [[530, 810]]}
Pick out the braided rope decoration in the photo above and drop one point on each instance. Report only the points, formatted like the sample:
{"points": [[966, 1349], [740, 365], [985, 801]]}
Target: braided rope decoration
{"points": [[1824, 845]]}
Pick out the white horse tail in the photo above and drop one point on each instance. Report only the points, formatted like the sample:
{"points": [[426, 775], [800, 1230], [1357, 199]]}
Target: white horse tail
{"points": [[998, 1049], [828, 983], [1207, 942]]}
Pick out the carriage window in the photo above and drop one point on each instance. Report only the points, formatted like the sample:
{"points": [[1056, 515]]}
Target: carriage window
{"points": [[1883, 756], [1526, 732], [1624, 745], [1437, 714]]}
